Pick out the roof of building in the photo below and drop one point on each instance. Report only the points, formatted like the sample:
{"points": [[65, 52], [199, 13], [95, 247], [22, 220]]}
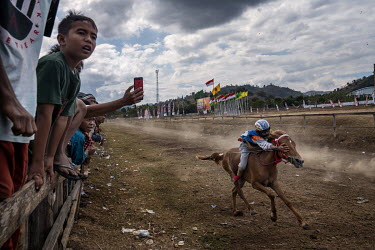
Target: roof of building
{"points": [[364, 91]]}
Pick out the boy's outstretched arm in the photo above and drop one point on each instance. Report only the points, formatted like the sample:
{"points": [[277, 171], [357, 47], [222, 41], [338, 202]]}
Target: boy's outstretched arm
{"points": [[43, 123], [23, 122], [129, 98]]}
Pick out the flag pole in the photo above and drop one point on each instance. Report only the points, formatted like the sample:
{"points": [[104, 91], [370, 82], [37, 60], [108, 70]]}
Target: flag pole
{"points": [[213, 86]]}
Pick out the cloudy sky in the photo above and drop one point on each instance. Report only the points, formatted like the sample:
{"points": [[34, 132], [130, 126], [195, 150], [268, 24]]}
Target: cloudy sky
{"points": [[300, 44]]}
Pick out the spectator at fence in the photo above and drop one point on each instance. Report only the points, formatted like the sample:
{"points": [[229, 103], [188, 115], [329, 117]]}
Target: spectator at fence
{"points": [[97, 135], [19, 25], [58, 86], [88, 99], [65, 121], [81, 144]]}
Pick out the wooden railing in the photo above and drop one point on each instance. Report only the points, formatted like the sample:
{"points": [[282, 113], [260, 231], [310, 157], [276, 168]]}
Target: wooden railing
{"points": [[42, 215]]}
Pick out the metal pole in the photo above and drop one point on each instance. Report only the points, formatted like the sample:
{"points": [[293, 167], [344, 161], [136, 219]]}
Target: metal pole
{"points": [[157, 85]]}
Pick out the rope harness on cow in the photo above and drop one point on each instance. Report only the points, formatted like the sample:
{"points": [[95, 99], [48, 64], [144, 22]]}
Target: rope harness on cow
{"points": [[278, 158]]}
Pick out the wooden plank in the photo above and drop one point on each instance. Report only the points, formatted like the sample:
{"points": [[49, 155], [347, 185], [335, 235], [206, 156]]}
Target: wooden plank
{"points": [[15, 210], [59, 223], [70, 222], [59, 200], [23, 239], [79, 197], [41, 221]]}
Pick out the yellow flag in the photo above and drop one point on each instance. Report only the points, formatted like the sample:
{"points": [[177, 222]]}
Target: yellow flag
{"points": [[216, 89], [242, 94]]}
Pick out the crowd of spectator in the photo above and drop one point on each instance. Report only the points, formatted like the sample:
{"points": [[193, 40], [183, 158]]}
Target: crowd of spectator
{"points": [[41, 109]]}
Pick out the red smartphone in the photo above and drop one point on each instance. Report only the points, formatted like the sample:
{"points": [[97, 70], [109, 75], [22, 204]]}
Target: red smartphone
{"points": [[138, 83]]}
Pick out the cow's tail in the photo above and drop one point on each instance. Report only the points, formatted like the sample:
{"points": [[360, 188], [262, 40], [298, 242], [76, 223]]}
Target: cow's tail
{"points": [[216, 157]]}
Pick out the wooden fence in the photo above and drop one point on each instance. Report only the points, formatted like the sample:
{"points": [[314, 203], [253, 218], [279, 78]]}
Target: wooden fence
{"points": [[45, 217], [334, 127]]}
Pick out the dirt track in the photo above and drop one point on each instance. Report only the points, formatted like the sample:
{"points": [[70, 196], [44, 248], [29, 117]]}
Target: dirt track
{"points": [[155, 169]]}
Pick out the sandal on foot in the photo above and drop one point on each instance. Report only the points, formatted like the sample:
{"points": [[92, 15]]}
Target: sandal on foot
{"points": [[77, 169], [57, 167]]}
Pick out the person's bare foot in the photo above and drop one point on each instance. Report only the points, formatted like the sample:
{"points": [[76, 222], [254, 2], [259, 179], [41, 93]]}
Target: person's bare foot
{"points": [[63, 160]]}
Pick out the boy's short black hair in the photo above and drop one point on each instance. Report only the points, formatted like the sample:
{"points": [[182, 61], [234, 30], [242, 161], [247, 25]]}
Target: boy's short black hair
{"points": [[55, 48], [66, 23]]}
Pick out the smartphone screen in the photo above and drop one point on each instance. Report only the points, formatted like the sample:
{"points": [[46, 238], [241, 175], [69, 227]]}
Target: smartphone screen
{"points": [[138, 83]]}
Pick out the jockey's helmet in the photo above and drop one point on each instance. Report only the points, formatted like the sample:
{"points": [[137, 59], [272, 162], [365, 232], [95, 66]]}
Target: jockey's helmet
{"points": [[262, 125]]}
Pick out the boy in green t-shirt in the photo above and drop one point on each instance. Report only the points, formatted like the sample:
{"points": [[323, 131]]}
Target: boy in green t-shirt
{"points": [[58, 86], [59, 113]]}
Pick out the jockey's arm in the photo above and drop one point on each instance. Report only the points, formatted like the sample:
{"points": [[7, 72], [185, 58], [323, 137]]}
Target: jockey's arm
{"points": [[263, 144]]}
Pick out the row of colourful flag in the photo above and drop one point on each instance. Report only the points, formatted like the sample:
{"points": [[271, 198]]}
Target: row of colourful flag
{"points": [[224, 98], [356, 103]]}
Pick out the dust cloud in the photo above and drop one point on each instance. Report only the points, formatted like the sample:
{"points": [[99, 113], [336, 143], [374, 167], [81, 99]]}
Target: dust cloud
{"points": [[338, 160], [215, 140], [188, 133]]}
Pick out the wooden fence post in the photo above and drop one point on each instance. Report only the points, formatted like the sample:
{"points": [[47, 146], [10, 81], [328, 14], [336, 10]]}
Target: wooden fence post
{"points": [[57, 227], [334, 125], [70, 221], [40, 223]]}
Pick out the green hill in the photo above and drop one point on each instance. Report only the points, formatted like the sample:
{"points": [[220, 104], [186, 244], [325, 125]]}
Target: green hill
{"points": [[267, 91], [363, 82]]}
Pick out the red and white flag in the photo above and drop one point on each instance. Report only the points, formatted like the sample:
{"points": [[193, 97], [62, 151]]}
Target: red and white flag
{"points": [[339, 103], [220, 98], [228, 97], [210, 82], [332, 104]]}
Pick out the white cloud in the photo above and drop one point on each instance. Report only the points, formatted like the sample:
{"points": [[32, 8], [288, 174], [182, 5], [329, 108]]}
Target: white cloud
{"points": [[301, 44]]}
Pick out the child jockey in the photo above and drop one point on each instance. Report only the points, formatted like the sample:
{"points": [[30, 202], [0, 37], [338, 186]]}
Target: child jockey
{"points": [[255, 137]]}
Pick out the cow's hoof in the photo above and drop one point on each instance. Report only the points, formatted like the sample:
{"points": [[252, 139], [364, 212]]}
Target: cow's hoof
{"points": [[253, 212], [238, 213]]}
